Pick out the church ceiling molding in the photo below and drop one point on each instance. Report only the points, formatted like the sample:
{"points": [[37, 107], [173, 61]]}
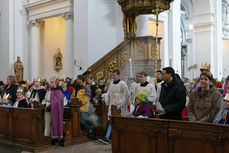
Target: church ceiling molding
{"points": [[48, 8]]}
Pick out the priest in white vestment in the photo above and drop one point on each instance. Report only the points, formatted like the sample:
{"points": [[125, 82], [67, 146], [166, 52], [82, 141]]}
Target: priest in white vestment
{"points": [[145, 85], [117, 95]]}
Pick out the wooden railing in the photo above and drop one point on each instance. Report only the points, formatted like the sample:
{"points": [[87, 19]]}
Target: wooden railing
{"points": [[138, 135], [112, 60]]}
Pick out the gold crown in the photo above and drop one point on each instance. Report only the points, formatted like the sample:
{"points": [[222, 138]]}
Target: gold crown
{"points": [[226, 97], [54, 79], [23, 86], [62, 84], [38, 79], [5, 96], [28, 82], [20, 90], [192, 82], [205, 66]]}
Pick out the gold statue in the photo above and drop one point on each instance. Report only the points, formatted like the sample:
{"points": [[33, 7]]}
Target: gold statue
{"points": [[58, 60], [18, 70]]}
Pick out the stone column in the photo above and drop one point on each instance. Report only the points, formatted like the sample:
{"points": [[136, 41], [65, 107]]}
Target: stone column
{"points": [[174, 33], [34, 49], [218, 52], [69, 47], [208, 35], [142, 25]]}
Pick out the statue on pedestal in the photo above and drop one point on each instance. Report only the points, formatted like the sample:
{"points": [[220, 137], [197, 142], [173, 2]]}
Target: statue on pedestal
{"points": [[18, 70]]}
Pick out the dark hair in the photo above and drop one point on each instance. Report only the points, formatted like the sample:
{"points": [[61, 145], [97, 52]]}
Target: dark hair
{"points": [[116, 71], [177, 76], [169, 70], [101, 79], [207, 74], [143, 73], [81, 77], [160, 71]]}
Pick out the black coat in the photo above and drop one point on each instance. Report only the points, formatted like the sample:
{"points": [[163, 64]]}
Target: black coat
{"points": [[12, 91], [41, 94], [23, 103], [173, 99]]}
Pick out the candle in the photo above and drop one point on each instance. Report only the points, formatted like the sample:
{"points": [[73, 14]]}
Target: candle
{"points": [[131, 73], [170, 61]]}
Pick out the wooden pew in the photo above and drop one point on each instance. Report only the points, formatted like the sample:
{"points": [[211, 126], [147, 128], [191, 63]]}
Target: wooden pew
{"points": [[101, 112], [22, 128], [138, 135]]}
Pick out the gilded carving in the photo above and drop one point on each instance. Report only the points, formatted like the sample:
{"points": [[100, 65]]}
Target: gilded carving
{"points": [[124, 57], [75, 101], [214, 138], [150, 131], [99, 75], [18, 70], [174, 132], [140, 49], [113, 66], [120, 126]]}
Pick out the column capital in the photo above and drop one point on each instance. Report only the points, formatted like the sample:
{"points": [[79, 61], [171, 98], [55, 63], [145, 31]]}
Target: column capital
{"points": [[35, 23], [67, 15]]}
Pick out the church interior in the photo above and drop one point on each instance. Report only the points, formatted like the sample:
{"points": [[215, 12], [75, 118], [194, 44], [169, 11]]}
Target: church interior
{"points": [[74, 74]]}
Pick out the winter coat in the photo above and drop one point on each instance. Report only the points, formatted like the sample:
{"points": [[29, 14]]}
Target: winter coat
{"points": [[173, 99], [203, 107], [12, 91]]}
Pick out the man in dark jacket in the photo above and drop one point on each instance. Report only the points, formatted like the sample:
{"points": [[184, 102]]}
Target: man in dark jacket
{"points": [[173, 95]]}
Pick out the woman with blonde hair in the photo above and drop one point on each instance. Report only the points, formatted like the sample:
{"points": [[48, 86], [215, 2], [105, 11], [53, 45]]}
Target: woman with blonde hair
{"points": [[9, 92]]}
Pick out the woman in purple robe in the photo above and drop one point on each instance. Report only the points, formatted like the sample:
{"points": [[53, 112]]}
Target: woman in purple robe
{"points": [[57, 110], [142, 108]]}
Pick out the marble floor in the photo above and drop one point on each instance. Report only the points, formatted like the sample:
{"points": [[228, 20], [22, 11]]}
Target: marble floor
{"points": [[94, 146]]}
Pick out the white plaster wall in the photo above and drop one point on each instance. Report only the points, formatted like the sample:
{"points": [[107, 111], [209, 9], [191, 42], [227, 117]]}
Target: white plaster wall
{"points": [[12, 35], [4, 39], [103, 28], [98, 29], [142, 25], [20, 34], [225, 52], [80, 35], [53, 37]]}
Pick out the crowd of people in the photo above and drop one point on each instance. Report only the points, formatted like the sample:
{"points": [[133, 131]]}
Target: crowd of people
{"points": [[168, 97]]}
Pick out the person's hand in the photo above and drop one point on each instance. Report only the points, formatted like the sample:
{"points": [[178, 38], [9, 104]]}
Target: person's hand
{"points": [[158, 110], [31, 100], [163, 111]]}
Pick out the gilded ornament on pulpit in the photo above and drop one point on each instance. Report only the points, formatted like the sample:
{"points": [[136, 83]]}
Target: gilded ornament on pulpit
{"points": [[18, 70], [58, 60], [112, 66]]}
